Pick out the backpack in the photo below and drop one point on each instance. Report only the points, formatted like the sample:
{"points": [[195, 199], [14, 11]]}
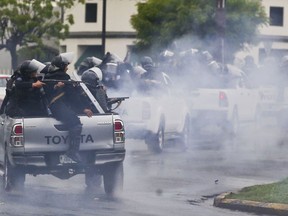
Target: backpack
{"points": [[9, 94], [11, 81]]}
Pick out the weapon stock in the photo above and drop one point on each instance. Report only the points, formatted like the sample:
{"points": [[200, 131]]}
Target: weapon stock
{"points": [[71, 82], [115, 100]]}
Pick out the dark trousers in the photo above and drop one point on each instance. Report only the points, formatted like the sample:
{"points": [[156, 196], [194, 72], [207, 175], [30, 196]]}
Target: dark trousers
{"points": [[65, 114]]}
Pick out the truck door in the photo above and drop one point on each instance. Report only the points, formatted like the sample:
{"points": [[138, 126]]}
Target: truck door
{"points": [[250, 99], [244, 101]]}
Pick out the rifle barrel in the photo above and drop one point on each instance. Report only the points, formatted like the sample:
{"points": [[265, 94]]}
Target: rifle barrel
{"points": [[64, 81]]}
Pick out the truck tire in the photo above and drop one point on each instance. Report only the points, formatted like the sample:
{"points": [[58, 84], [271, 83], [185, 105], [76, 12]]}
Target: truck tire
{"points": [[258, 118], [231, 128], [13, 178], [7, 175], [155, 142], [185, 135], [113, 176], [93, 180]]}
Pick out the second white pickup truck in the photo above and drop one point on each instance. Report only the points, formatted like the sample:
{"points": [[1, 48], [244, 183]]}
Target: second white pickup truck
{"points": [[227, 106], [157, 120]]}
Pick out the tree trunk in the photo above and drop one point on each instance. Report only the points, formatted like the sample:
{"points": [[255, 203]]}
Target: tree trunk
{"points": [[14, 57]]}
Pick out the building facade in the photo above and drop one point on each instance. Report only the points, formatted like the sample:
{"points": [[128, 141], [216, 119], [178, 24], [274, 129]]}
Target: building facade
{"points": [[86, 37], [273, 37]]}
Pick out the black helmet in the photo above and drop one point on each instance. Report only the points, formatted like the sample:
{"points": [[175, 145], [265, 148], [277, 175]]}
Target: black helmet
{"points": [[28, 67], [92, 76], [147, 62], [62, 60], [89, 62]]}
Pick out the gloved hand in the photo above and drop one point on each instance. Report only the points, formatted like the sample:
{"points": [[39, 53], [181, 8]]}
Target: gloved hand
{"points": [[88, 112]]}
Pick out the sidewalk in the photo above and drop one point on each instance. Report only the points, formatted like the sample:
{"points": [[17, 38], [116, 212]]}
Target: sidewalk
{"points": [[250, 206]]}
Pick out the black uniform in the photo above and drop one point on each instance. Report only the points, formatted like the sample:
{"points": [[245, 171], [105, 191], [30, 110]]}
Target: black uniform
{"points": [[99, 92], [25, 100], [65, 103], [92, 81], [156, 78]]}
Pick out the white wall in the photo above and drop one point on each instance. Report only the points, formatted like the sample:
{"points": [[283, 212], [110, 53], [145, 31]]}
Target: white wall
{"points": [[5, 62], [276, 30], [117, 20], [117, 16], [269, 31]]}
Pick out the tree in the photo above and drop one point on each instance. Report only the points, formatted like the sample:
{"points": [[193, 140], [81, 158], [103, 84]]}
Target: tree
{"points": [[26, 23], [160, 23]]}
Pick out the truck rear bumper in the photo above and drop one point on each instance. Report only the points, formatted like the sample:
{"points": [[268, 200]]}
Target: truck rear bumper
{"points": [[204, 117], [52, 160]]}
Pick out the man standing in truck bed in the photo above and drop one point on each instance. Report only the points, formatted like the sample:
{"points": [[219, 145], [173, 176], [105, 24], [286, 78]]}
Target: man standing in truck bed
{"points": [[60, 97], [151, 80], [23, 92]]}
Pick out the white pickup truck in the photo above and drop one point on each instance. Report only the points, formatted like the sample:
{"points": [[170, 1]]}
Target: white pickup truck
{"points": [[226, 106], [37, 145], [274, 104], [157, 120]]}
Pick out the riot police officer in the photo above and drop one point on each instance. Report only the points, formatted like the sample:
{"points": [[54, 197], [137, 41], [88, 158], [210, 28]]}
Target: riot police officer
{"points": [[151, 79], [62, 98], [92, 78], [26, 97], [88, 63]]}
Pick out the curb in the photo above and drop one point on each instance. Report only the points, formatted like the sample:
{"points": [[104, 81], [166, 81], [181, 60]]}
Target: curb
{"points": [[250, 206]]}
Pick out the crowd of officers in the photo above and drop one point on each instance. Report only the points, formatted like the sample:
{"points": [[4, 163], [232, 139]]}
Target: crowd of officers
{"points": [[49, 91], [34, 90], [122, 76], [28, 94]]}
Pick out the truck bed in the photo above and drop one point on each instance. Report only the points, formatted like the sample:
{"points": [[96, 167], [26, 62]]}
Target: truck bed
{"points": [[50, 135]]}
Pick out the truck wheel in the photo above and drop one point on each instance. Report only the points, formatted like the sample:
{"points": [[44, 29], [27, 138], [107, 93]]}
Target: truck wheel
{"points": [[113, 176], [155, 143], [233, 125], [258, 118], [185, 135], [7, 176], [93, 179], [13, 178]]}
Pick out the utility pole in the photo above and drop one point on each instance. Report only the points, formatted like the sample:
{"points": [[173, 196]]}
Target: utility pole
{"points": [[221, 24], [104, 27]]}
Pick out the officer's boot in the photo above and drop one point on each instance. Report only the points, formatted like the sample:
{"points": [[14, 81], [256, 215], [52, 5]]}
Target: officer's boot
{"points": [[74, 144]]}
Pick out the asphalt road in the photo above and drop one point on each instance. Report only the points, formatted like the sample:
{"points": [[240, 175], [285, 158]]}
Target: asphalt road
{"points": [[172, 183]]}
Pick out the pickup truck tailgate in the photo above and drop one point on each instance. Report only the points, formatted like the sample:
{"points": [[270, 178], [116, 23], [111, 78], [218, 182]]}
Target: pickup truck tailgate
{"points": [[48, 134], [204, 99]]}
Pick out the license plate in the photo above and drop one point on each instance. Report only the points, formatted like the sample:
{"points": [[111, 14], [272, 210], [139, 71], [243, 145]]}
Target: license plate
{"points": [[65, 160]]}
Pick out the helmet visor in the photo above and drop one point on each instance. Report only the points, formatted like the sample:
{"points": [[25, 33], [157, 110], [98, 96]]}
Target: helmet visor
{"points": [[96, 61], [67, 57], [38, 65], [98, 72]]}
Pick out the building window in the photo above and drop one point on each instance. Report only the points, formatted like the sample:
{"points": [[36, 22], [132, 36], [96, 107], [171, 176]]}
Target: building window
{"points": [[91, 12], [276, 16]]}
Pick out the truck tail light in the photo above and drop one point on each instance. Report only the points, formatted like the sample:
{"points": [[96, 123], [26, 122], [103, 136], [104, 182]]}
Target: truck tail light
{"points": [[118, 125], [119, 132], [16, 138], [223, 100]]}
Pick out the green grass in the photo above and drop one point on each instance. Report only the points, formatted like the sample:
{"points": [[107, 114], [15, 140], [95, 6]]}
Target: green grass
{"points": [[272, 193]]}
